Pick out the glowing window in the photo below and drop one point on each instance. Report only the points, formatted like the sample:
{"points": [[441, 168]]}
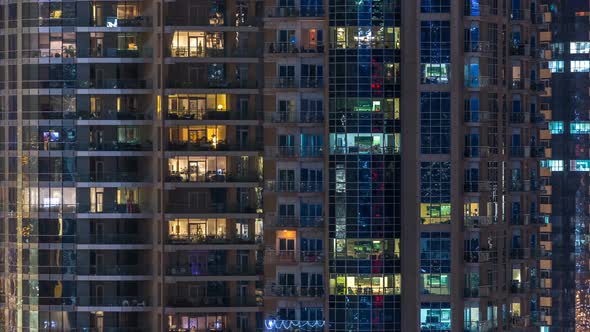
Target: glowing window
{"points": [[556, 66], [553, 165], [580, 66], [579, 165], [556, 127], [580, 127], [579, 47]]}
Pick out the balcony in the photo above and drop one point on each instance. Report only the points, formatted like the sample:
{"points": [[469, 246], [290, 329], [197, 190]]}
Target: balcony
{"points": [[279, 221], [212, 177], [116, 146], [294, 152], [293, 117], [210, 301], [476, 116], [187, 270], [293, 291], [479, 221], [111, 52], [293, 11], [213, 208], [88, 84], [213, 115], [526, 253], [284, 48], [116, 239], [295, 187], [207, 19], [179, 52], [294, 83], [87, 270], [293, 257], [523, 185], [365, 149], [114, 115], [86, 301], [127, 208], [113, 177], [479, 82], [209, 239], [220, 145], [211, 84]]}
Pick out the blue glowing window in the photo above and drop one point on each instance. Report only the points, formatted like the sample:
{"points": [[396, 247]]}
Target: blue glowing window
{"points": [[556, 127], [580, 127]]}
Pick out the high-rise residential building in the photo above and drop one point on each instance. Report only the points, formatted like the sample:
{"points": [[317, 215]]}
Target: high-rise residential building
{"points": [[294, 165]]}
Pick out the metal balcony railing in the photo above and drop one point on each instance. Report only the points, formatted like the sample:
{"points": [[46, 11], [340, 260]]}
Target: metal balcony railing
{"points": [[294, 186]]}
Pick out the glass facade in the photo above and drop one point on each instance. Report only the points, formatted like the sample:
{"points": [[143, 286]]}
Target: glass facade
{"points": [[364, 165]]}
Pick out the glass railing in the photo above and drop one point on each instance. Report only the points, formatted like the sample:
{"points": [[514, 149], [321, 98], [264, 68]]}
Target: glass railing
{"points": [[295, 11], [87, 146], [212, 84], [365, 149], [294, 82], [179, 207], [211, 146], [292, 48], [113, 177], [212, 176], [294, 221], [294, 186], [114, 115], [88, 84], [292, 151], [210, 115], [113, 208], [114, 269], [294, 290], [81, 115], [209, 239], [130, 239], [211, 19], [111, 52], [211, 301], [293, 117], [209, 270], [204, 52], [106, 301]]}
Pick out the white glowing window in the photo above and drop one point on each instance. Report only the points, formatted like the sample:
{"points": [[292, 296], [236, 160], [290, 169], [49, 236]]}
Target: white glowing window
{"points": [[579, 47], [580, 66], [556, 66], [553, 165]]}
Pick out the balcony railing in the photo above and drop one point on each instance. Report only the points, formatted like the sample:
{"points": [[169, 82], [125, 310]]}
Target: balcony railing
{"points": [[292, 151], [479, 186], [130, 239], [179, 207], [292, 256], [291, 48], [113, 177], [145, 52], [294, 186], [293, 117], [184, 270], [102, 301], [212, 177], [293, 221], [88, 84], [364, 149], [209, 239], [87, 208], [212, 146], [479, 151], [476, 116], [293, 11], [210, 301], [204, 52], [294, 82], [114, 115], [294, 290], [526, 219], [212, 84], [210, 115], [111, 270], [480, 221]]}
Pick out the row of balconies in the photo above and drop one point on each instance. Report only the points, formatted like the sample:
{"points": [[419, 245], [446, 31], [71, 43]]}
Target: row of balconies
{"points": [[295, 186]]}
